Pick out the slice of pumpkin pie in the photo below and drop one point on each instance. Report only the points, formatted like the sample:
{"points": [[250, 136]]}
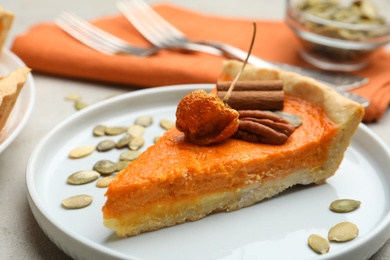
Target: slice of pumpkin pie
{"points": [[177, 180]]}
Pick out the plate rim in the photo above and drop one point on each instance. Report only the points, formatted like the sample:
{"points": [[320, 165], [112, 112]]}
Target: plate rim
{"points": [[382, 229], [28, 91]]}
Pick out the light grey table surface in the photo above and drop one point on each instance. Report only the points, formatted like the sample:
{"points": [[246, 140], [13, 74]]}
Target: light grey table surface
{"points": [[20, 235]]}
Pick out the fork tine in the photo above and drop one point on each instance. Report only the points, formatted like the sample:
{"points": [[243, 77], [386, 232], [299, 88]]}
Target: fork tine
{"points": [[83, 36], [99, 39], [144, 18], [98, 34]]}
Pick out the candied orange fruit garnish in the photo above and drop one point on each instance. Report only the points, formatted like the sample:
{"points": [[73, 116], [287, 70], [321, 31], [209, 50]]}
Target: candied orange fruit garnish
{"points": [[205, 119]]}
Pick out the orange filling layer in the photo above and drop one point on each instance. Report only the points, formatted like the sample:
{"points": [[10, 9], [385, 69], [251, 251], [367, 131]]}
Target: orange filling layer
{"points": [[175, 168]]}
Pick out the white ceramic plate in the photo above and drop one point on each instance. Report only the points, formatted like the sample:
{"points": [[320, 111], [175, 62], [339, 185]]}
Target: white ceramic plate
{"points": [[273, 229], [23, 106]]}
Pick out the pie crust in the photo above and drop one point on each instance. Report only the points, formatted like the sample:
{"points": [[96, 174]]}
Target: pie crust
{"points": [[10, 87]]}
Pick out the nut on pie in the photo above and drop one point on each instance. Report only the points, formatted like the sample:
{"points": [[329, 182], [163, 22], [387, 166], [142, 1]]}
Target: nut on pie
{"points": [[175, 180]]}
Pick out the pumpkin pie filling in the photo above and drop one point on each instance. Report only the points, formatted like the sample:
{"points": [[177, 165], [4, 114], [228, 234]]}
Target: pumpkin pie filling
{"points": [[175, 180]]}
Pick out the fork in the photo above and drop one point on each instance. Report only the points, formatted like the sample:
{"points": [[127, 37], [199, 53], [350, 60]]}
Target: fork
{"points": [[162, 34], [106, 43], [99, 39]]}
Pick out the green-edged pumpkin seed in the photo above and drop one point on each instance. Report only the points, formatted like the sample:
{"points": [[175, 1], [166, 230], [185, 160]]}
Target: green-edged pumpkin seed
{"points": [[121, 165], [129, 155], [136, 130], [295, 120], [167, 124], [80, 105], [342, 232], [144, 121], [156, 138], [124, 141], [318, 243], [105, 181], [77, 202], [344, 205], [81, 151], [104, 167], [136, 143], [99, 130], [115, 130], [82, 177], [105, 145]]}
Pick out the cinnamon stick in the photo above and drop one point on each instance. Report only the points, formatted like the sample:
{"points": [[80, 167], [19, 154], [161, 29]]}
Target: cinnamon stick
{"points": [[254, 94], [255, 100], [260, 85]]}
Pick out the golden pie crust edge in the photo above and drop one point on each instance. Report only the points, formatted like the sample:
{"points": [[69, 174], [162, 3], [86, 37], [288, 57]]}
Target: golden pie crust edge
{"points": [[345, 113], [6, 20], [10, 87]]}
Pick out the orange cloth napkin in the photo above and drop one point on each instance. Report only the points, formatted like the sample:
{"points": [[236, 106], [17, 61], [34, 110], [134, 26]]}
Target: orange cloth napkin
{"points": [[46, 48]]}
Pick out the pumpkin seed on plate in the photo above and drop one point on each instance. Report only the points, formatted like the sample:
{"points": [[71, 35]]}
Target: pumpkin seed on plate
{"points": [[82, 177], [344, 205], [115, 130], [80, 105], [342, 232], [121, 165], [129, 155], [104, 167], [136, 130], [81, 151], [318, 243], [144, 121], [156, 138], [99, 130], [77, 202], [124, 141], [136, 143], [105, 145], [105, 181], [167, 124]]}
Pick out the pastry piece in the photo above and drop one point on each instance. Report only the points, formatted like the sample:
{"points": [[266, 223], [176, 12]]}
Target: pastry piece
{"points": [[6, 19], [10, 87], [175, 180]]}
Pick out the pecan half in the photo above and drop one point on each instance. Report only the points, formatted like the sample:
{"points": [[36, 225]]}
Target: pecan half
{"points": [[263, 127]]}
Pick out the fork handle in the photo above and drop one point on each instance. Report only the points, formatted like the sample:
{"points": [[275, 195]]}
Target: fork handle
{"points": [[232, 52], [329, 78], [341, 81]]}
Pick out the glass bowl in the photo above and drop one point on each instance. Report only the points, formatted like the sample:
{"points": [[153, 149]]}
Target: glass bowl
{"points": [[339, 35]]}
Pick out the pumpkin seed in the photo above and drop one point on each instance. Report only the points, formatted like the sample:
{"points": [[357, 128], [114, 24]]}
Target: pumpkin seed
{"points": [[136, 130], [318, 243], [295, 120], [156, 138], [342, 232], [82, 177], [129, 155], [115, 130], [344, 205], [105, 181], [105, 167], [144, 121], [124, 141], [121, 165], [73, 97], [105, 145], [80, 105], [77, 202], [99, 130], [136, 143], [81, 151], [167, 124]]}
